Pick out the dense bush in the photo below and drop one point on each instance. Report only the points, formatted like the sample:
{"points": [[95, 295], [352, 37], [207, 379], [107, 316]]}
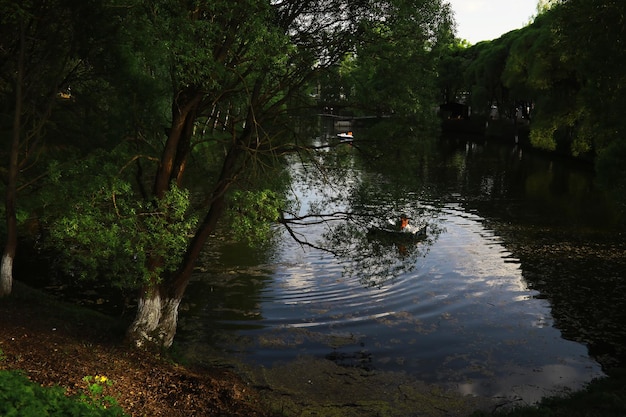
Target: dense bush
{"points": [[23, 398]]}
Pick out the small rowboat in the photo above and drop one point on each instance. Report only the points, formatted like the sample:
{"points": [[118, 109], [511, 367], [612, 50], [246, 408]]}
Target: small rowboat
{"points": [[345, 136], [393, 235]]}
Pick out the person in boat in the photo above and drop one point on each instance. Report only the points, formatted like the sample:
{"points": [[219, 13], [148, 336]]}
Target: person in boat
{"points": [[346, 136], [405, 227]]}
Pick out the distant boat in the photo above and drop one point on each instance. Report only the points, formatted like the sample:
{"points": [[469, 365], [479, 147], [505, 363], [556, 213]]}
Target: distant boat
{"points": [[345, 136]]}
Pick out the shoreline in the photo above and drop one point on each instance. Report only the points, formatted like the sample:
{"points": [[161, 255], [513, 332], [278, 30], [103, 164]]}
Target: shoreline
{"points": [[55, 343]]}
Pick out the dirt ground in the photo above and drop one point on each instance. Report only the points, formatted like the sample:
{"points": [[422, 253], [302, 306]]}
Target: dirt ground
{"points": [[54, 347]]}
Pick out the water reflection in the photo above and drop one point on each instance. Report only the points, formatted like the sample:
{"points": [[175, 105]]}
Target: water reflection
{"points": [[470, 311], [463, 318]]}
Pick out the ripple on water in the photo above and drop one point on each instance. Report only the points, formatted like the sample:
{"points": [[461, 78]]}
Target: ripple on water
{"points": [[463, 317]]}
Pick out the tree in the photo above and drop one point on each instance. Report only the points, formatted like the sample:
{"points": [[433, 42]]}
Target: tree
{"points": [[235, 71], [561, 59], [39, 55], [391, 72], [485, 73], [590, 35], [545, 5], [453, 61], [258, 57], [6, 267]]}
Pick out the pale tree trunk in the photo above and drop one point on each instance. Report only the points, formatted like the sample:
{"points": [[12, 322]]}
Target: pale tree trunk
{"points": [[156, 320], [141, 331], [6, 268], [6, 274]]}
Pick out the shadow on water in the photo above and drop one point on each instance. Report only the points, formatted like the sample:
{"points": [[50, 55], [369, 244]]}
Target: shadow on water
{"points": [[567, 233]]}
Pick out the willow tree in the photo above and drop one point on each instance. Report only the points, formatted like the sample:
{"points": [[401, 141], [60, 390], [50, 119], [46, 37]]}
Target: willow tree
{"points": [[560, 61], [233, 70], [590, 36]]}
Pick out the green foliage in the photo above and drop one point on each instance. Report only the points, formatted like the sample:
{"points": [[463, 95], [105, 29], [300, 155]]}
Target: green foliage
{"points": [[20, 397], [484, 74], [555, 127], [452, 63], [104, 229], [393, 72], [252, 214], [195, 40], [591, 35], [560, 64], [97, 392], [543, 138]]}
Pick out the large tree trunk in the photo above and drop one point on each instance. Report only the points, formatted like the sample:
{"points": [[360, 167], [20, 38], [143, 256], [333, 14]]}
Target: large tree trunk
{"points": [[6, 268], [157, 311], [156, 320]]}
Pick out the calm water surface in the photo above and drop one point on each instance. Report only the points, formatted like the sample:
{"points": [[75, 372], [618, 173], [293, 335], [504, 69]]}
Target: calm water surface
{"points": [[465, 315]]}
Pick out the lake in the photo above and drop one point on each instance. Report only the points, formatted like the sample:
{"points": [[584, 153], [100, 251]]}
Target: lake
{"points": [[515, 294]]}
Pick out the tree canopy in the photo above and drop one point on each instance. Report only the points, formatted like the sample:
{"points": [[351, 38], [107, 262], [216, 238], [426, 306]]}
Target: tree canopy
{"points": [[567, 64], [156, 119]]}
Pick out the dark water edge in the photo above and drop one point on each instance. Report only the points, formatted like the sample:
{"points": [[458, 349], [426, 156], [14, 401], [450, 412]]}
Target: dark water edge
{"points": [[573, 253], [582, 275]]}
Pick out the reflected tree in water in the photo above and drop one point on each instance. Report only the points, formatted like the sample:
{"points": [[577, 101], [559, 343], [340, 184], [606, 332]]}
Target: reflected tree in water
{"points": [[349, 193]]}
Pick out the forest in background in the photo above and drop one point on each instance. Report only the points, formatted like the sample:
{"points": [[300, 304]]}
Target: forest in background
{"points": [[566, 68]]}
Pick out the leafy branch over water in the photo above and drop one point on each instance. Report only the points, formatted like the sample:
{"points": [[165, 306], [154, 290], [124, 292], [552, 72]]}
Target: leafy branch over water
{"points": [[340, 207]]}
